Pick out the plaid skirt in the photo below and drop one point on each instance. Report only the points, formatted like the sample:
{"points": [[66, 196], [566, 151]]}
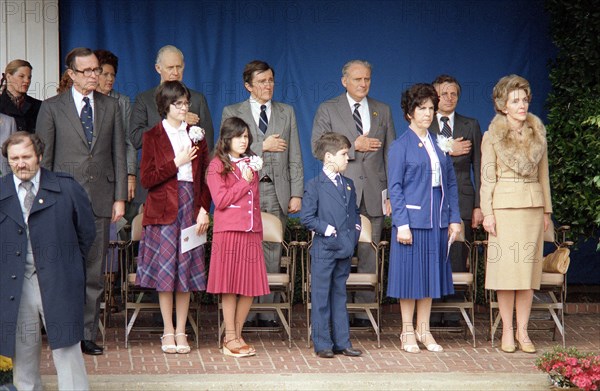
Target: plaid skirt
{"points": [[161, 265]]}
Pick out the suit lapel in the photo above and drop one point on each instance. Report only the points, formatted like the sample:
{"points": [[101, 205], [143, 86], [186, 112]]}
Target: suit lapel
{"points": [[435, 127], [276, 120], [100, 111], [46, 195], [349, 127], [374, 116], [330, 188], [70, 111], [9, 201], [245, 113], [460, 128]]}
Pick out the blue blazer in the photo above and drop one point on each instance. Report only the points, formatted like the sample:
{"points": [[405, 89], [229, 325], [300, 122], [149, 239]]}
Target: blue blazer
{"points": [[322, 205], [62, 230], [409, 181]]}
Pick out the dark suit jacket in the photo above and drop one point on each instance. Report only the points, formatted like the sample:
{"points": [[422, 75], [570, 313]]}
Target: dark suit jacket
{"points": [[284, 168], [323, 205], [410, 184], [61, 227], [101, 170], [367, 169], [159, 175], [468, 193], [26, 117], [145, 116]]}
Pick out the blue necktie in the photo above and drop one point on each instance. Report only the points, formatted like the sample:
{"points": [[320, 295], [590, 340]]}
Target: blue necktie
{"points": [[340, 186], [87, 120], [357, 119], [263, 120]]}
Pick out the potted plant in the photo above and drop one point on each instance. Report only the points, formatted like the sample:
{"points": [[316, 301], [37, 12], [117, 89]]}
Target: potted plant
{"points": [[568, 368]]}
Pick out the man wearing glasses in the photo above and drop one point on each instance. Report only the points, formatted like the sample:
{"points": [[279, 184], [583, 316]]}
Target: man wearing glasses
{"points": [[83, 134]]}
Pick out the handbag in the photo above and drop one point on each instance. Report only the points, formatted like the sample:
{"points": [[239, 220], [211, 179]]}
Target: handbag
{"points": [[557, 261]]}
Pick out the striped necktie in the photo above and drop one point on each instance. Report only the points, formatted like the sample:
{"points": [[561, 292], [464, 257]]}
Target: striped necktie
{"points": [[263, 121], [446, 131], [357, 118]]}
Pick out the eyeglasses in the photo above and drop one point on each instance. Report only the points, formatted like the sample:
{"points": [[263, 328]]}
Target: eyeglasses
{"points": [[180, 105], [264, 83], [88, 72]]}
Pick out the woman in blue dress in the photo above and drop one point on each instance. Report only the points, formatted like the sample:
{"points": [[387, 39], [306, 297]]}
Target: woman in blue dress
{"points": [[425, 215]]}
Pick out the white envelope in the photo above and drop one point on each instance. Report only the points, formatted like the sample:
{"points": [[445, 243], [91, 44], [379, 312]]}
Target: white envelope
{"points": [[190, 240]]}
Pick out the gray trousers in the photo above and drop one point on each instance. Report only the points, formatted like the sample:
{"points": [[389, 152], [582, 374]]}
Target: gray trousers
{"points": [[94, 283], [366, 257], [68, 361]]}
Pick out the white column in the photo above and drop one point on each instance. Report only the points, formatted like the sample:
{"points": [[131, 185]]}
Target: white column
{"points": [[29, 31]]}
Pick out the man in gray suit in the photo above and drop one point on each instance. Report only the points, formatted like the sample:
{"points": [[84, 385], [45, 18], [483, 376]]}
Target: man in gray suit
{"points": [[82, 130], [274, 138], [466, 156], [7, 127], [169, 65], [368, 124]]}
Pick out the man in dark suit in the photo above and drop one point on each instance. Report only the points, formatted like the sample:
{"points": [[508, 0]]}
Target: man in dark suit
{"points": [[82, 130], [275, 139], [330, 211], [169, 65], [466, 156], [368, 124], [47, 228]]}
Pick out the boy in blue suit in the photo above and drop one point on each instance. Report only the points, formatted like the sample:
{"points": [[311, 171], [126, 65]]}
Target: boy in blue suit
{"points": [[329, 210]]}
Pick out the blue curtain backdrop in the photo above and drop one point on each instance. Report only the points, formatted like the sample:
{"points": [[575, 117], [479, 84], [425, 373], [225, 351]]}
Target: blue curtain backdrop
{"points": [[307, 42]]}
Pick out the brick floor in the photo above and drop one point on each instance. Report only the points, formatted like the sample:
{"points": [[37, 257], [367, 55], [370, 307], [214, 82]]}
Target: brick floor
{"points": [[144, 355]]}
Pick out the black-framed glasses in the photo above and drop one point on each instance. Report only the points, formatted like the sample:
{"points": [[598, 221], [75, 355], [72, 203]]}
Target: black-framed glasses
{"points": [[179, 105], [88, 72]]}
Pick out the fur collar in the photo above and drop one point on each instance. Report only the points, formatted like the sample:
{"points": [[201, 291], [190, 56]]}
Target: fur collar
{"points": [[522, 157]]}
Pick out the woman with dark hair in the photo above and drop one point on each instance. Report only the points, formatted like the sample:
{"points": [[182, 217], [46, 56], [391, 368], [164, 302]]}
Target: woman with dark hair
{"points": [[516, 205], [174, 162], [14, 100], [425, 216], [237, 266], [110, 64]]}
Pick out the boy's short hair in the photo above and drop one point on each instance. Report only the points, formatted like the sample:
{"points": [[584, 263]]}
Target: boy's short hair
{"points": [[330, 142]]}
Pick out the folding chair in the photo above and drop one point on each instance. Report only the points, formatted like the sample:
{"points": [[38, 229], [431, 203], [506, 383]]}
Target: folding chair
{"points": [[133, 294], [356, 282], [465, 282], [282, 282], [554, 285]]}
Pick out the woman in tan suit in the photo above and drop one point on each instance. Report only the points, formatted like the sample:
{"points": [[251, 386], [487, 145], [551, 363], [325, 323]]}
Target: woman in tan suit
{"points": [[515, 201]]}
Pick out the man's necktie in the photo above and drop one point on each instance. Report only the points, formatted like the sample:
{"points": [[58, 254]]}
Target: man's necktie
{"points": [[87, 120], [357, 119], [29, 196], [446, 131], [263, 121]]}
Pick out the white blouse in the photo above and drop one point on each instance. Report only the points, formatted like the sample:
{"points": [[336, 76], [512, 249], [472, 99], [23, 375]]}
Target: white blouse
{"points": [[436, 171], [179, 139]]}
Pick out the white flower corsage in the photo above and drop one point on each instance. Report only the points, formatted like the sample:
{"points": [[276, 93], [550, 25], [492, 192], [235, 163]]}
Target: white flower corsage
{"points": [[196, 134], [445, 143], [255, 163]]}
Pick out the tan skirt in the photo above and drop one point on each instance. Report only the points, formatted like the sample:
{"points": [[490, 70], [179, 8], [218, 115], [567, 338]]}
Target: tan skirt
{"points": [[514, 257]]}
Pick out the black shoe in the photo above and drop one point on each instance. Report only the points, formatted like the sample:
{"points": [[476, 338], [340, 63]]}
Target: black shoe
{"points": [[271, 324], [90, 347], [326, 353], [250, 323], [359, 322], [348, 352]]}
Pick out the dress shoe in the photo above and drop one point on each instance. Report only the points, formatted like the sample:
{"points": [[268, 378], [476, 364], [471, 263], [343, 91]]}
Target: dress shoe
{"points": [[526, 347], [432, 346], [359, 322], [90, 347], [271, 324], [348, 352], [508, 348], [326, 353]]}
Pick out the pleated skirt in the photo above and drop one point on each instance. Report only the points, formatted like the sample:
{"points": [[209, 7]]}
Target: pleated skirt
{"points": [[161, 264], [422, 269], [237, 264], [514, 256]]}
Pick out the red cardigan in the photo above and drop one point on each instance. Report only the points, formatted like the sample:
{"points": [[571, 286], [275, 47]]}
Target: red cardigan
{"points": [[158, 174], [237, 204]]}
